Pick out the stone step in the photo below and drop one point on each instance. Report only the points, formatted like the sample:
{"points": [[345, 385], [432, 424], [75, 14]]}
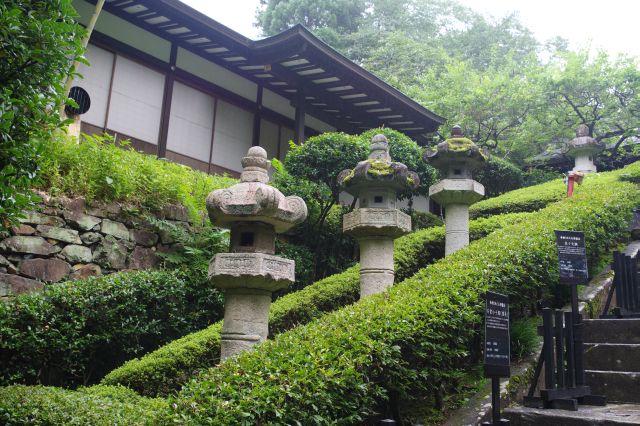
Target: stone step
{"points": [[612, 357], [612, 331], [609, 415], [617, 386]]}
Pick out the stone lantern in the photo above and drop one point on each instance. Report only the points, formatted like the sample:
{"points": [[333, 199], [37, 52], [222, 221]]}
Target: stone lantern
{"points": [[456, 158], [377, 221], [584, 148], [250, 273]]}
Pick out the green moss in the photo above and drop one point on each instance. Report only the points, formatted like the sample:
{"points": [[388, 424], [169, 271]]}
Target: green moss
{"points": [[380, 168], [460, 144], [348, 177]]}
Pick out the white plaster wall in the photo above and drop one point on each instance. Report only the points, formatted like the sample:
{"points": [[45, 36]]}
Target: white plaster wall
{"points": [[318, 125], [124, 31], [233, 133], [286, 135], [278, 103], [216, 74], [136, 101], [190, 122], [95, 80], [269, 138]]}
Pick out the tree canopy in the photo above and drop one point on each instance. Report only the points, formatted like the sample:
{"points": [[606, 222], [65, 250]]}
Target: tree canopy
{"points": [[513, 94]]}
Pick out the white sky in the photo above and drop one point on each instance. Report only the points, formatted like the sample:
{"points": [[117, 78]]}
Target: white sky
{"points": [[611, 25]]}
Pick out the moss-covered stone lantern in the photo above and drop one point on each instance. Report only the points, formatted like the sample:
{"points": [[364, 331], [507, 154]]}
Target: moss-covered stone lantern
{"points": [[584, 149], [456, 158], [377, 222], [255, 212]]}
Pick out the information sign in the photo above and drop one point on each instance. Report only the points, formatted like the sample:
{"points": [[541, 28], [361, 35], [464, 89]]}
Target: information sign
{"points": [[496, 332], [572, 257]]}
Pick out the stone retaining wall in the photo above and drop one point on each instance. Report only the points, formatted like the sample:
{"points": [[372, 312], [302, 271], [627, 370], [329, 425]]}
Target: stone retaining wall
{"points": [[69, 239]]}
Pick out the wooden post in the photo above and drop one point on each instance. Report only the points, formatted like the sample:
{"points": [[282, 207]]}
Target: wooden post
{"points": [[166, 103], [560, 373], [547, 324], [298, 137], [257, 117]]}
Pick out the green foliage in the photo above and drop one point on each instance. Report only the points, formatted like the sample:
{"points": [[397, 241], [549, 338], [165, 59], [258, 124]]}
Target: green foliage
{"points": [[499, 176], [99, 170], [97, 405], [341, 367], [304, 264], [280, 15], [538, 176], [423, 220], [521, 200], [39, 40], [193, 247], [597, 91], [166, 369], [75, 332], [631, 173], [524, 337]]}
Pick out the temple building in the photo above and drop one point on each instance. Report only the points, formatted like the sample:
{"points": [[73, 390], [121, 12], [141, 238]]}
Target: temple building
{"points": [[184, 87]]}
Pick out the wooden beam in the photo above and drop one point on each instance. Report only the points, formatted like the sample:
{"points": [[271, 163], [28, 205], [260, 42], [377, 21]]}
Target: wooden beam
{"points": [[298, 136], [257, 116], [166, 103]]}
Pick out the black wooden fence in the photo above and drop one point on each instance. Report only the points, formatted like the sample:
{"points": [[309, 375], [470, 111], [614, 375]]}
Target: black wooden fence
{"points": [[626, 286]]}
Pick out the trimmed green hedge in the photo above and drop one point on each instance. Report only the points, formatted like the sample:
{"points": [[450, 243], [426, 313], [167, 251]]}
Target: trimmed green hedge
{"points": [[343, 366], [73, 333], [521, 200], [97, 405], [166, 369]]}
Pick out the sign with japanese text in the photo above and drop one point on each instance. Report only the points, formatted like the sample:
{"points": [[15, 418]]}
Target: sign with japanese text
{"points": [[572, 257], [497, 353]]}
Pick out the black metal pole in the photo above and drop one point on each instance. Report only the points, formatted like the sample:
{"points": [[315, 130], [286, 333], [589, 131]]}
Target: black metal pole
{"points": [[571, 374], [547, 325], [495, 399]]}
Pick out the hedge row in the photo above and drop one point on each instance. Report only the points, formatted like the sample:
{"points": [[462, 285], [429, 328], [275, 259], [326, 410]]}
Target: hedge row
{"points": [[97, 405], [73, 333], [166, 369], [340, 368], [521, 200]]}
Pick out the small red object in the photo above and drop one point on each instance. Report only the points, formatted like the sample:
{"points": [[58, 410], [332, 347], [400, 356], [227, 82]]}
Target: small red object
{"points": [[573, 178]]}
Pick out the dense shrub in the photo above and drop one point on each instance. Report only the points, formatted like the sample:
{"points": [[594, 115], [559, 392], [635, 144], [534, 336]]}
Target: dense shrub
{"points": [[97, 405], [40, 41], [163, 371], [73, 333], [423, 220], [99, 170], [419, 334], [499, 176], [537, 176], [520, 200]]}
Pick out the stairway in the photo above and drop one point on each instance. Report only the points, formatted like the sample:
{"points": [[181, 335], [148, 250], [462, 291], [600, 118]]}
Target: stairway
{"points": [[612, 368], [612, 358]]}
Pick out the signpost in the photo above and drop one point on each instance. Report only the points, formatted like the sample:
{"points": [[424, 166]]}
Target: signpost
{"points": [[572, 260], [497, 353], [563, 350]]}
